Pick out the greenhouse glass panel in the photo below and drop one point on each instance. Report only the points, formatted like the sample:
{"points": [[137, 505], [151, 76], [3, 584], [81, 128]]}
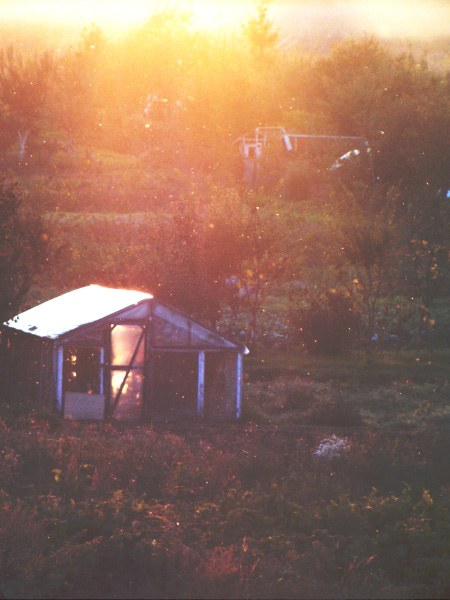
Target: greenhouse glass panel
{"points": [[124, 339], [129, 407]]}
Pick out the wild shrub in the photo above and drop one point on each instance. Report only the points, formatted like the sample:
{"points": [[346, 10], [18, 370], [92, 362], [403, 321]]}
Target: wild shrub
{"points": [[328, 325], [300, 398], [14, 412], [271, 401], [334, 413], [218, 575], [253, 414], [22, 540], [301, 181]]}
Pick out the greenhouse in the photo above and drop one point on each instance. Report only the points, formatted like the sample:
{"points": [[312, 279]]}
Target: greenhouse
{"points": [[102, 353]]}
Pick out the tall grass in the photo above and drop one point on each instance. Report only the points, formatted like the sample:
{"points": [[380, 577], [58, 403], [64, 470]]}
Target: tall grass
{"points": [[224, 510]]}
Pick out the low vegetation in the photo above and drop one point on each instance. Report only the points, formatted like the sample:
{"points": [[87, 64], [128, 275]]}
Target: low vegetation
{"points": [[326, 489]]}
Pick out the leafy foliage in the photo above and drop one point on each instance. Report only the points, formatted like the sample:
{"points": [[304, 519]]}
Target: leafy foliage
{"points": [[259, 29], [396, 102], [23, 245], [147, 124], [23, 87], [328, 325]]}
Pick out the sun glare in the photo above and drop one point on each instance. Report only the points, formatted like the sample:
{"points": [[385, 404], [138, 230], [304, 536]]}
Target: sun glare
{"points": [[217, 15], [120, 14], [410, 18], [102, 12]]}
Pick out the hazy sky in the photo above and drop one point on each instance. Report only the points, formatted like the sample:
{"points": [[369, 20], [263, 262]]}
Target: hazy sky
{"points": [[122, 13], [391, 18]]}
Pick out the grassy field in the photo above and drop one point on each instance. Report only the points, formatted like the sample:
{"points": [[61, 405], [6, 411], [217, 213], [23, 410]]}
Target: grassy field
{"points": [[404, 390], [418, 366]]}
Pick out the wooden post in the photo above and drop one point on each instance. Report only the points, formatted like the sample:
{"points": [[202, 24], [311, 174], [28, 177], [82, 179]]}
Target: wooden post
{"points": [[102, 370], [238, 385], [4, 363], [201, 384], [48, 393], [59, 376], [148, 383], [107, 369]]}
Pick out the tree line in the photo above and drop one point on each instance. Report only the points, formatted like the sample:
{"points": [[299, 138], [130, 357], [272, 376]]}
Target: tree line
{"points": [[362, 239]]}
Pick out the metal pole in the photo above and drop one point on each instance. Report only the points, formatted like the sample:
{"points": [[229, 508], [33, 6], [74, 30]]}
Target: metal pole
{"points": [[59, 376], [201, 384], [238, 385], [102, 369]]}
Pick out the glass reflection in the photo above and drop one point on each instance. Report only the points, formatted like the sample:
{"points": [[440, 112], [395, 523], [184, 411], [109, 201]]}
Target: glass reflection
{"points": [[124, 339]]}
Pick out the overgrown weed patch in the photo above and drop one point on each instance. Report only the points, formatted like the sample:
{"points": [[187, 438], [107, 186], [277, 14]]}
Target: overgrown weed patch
{"points": [[223, 510]]}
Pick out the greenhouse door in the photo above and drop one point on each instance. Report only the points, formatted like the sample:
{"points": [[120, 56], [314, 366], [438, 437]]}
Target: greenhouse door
{"points": [[127, 370], [175, 386]]}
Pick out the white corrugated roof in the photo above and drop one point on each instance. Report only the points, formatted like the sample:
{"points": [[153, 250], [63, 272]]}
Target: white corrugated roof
{"points": [[74, 309]]}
